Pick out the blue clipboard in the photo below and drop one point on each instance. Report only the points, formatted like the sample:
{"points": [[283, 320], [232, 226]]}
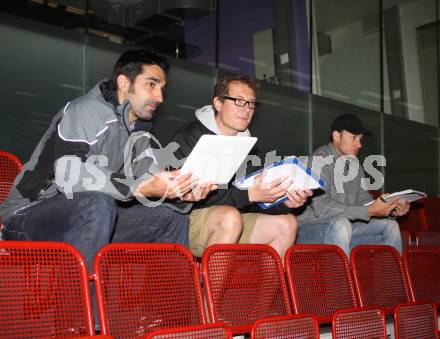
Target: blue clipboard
{"points": [[301, 175]]}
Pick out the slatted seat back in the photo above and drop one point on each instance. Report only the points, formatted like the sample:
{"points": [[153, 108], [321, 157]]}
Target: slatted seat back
{"points": [[44, 291], [145, 287], [319, 280], [379, 277], [243, 284]]}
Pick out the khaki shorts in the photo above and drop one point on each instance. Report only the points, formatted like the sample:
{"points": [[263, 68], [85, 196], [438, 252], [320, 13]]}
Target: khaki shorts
{"points": [[198, 229]]}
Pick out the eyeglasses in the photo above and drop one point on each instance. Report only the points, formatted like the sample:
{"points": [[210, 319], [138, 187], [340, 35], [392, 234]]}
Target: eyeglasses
{"points": [[241, 102]]}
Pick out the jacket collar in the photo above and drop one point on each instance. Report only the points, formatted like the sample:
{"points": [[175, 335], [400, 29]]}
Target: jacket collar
{"points": [[104, 92]]}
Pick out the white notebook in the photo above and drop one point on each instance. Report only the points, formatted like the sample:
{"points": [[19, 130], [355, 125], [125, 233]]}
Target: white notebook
{"points": [[216, 158], [406, 195]]}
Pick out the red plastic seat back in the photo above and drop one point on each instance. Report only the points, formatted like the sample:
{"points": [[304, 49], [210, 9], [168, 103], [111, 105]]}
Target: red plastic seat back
{"points": [[244, 283], [213, 331], [415, 320], [422, 267], [10, 166], [291, 326], [414, 220], [145, 287], [430, 238], [319, 280], [431, 207], [379, 277], [359, 323], [44, 291]]}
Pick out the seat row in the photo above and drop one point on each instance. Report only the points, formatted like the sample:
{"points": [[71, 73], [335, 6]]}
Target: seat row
{"points": [[423, 216], [141, 288], [420, 238]]}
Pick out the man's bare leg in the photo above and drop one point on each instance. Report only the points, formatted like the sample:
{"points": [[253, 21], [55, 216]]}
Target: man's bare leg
{"points": [[278, 231], [225, 225]]}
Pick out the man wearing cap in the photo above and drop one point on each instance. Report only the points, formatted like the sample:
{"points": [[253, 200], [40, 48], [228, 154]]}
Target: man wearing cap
{"points": [[338, 215]]}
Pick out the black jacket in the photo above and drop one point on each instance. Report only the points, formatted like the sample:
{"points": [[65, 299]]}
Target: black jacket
{"points": [[187, 139]]}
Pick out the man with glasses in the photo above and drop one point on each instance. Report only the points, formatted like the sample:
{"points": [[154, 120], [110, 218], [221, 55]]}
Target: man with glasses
{"points": [[224, 217]]}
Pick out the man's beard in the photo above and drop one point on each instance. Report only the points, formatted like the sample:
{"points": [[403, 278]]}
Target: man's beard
{"points": [[145, 115]]}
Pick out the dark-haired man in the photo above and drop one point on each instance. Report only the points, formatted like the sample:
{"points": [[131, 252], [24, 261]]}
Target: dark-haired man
{"points": [[225, 216], [339, 216], [80, 183]]}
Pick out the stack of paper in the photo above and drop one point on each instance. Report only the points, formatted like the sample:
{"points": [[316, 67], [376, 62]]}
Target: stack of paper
{"points": [[301, 176], [406, 195]]}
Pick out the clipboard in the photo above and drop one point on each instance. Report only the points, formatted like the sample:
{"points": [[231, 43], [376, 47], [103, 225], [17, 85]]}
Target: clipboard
{"points": [[301, 176]]}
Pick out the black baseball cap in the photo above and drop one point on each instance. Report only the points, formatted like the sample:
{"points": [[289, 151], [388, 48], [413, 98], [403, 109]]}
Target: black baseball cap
{"points": [[350, 123]]}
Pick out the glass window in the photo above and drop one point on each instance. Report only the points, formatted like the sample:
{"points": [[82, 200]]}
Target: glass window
{"points": [[410, 60], [42, 69], [346, 53], [183, 30], [267, 40]]}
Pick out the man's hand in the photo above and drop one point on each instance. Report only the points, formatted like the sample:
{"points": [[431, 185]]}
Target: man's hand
{"points": [[297, 197], [268, 191], [170, 185], [199, 192], [379, 208], [401, 209]]}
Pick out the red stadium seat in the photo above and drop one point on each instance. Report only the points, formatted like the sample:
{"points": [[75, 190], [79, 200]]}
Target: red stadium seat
{"points": [[406, 239], [10, 166], [145, 287], [430, 238], [359, 323], [244, 283], [44, 291], [319, 280], [431, 209], [289, 326], [213, 331], [414, 220], [96, 337], [379, 277], [415, 320], [422, 267]]}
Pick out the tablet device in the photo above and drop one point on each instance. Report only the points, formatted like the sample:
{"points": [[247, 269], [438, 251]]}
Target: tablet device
{"points": [[216, 158]]}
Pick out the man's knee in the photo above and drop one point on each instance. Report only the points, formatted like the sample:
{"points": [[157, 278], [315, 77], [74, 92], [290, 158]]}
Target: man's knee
{"points": [[226, 220], [392, 234], [392, 226], [341, 227], [339, 233], [95, 202], [95, 213], [287, 227]]}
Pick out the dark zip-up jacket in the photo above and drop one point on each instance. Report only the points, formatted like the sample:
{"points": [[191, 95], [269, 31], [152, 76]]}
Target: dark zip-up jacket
{"points": [[85, 149], [232, 196]]}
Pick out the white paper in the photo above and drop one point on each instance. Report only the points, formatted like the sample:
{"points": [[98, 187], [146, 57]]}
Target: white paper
{"points": [[216, 158], [300, 179], [406, 195], [290, 168]]}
